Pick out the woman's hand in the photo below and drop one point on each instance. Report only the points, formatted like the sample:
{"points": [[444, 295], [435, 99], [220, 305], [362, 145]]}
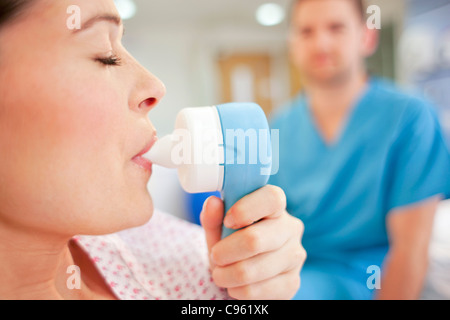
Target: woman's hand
{"points": [[263, 260]]}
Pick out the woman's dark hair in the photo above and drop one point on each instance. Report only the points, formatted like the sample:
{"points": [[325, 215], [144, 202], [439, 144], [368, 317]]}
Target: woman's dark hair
{"points": [[10, 9]]}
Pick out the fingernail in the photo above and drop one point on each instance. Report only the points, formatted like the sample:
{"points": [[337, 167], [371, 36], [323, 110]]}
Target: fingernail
{"points": [[204, 204], [229, 222], [211, 259]]}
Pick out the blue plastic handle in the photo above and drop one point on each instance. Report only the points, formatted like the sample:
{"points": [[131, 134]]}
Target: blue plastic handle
{"points": [[247, 151]]}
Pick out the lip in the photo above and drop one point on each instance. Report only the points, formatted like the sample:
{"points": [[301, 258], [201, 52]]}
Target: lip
{"points": [[140, 160], [147, 147]]}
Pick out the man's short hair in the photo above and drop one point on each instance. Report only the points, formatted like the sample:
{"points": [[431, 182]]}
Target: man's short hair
{"points": [[360, 6]]}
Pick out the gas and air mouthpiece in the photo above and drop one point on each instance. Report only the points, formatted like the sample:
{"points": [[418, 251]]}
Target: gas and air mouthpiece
{"points": [[224, 148]]}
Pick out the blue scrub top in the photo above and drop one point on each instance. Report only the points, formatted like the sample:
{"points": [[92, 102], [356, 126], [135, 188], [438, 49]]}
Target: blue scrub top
{"points": [[391, 153]]}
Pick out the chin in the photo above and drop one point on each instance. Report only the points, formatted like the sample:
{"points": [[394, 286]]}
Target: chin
{"points": [[137, 207], [140, 215], [132, 215], [331, 77]]}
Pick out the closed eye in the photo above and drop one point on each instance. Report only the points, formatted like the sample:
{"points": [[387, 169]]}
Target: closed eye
{"points": [[112, 60]]}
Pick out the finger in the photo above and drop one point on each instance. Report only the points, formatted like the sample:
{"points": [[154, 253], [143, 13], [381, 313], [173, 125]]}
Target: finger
{"points": [[265, 203], [211, 219], [264, 236], [282, 287], [260, 267]]}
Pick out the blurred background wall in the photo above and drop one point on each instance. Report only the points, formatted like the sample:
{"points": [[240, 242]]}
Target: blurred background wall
{"points": [[424, 54], [209, 52]]}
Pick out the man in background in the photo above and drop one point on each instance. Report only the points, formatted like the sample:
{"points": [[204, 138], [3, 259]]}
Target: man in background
{"points": [[363, 165]]}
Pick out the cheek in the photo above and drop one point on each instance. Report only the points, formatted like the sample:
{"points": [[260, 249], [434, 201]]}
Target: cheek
{"points": [[350, 47], [63, 117], [89, 126], [298, 52], [94, 119], [64, 144]]}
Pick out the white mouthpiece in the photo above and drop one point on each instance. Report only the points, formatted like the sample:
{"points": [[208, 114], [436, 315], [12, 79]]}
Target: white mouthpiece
{"points": [[196, 148], [161, 153]]}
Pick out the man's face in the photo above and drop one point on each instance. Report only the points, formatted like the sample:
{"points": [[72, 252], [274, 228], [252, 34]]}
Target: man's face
{"points": [[327, 40]]}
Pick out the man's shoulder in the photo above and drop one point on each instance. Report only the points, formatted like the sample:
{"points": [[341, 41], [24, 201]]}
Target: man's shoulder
{"points": [[407, 109], [389, 95]]}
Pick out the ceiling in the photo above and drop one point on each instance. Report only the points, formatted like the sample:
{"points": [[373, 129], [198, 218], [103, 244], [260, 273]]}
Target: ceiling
{"points": [[200, 12], [214, 12]]}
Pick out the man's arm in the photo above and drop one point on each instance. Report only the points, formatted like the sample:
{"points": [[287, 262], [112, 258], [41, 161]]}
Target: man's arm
{"points": [[409, 230]]}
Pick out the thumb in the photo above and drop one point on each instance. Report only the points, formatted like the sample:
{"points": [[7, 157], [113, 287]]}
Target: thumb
{"points": [[211, 219]]}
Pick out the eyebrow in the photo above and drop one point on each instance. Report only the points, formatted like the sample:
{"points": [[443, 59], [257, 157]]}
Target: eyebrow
{"points": [[99, 18]]}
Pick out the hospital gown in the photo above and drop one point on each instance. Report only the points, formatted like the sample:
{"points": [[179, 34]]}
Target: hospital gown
{"points": [[165, 259]]}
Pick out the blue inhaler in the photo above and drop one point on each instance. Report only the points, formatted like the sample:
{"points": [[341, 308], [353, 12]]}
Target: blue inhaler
{"points": [[224, 148]]}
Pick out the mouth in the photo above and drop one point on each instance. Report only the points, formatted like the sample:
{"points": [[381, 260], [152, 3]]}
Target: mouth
{"points": [[140, 160], [323, 60]]}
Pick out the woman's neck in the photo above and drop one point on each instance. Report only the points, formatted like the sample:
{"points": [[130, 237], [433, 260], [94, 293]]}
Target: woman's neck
{"points": [[35, 265]]}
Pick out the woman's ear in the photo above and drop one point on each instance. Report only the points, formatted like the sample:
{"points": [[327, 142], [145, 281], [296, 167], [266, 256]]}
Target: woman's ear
{"points": [[370, 41]]}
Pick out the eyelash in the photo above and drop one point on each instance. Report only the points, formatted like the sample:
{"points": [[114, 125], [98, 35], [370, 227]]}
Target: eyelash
{"points": [[113, 60]]}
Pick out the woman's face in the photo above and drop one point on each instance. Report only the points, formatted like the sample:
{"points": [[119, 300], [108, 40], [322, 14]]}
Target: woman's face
{"points": [[72, 118]]}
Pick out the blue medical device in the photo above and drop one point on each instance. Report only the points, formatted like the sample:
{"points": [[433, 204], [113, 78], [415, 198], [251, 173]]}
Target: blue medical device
{"points": [[224, 148]]}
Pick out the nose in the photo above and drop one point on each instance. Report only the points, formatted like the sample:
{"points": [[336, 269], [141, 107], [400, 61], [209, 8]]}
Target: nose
{"points": [[322, 41], [147, 90]]}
